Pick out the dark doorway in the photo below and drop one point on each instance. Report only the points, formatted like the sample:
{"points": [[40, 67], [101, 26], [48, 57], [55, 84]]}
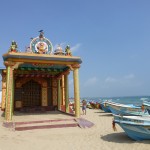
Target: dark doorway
{"points": [[31, 94]]}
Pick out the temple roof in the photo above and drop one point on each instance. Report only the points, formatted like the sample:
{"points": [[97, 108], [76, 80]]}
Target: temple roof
{"points": [[32, 57], [40, 56]]}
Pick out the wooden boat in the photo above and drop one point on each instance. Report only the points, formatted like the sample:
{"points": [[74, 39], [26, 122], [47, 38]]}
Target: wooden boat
{"points": [[95, 105], [92, 105], [122, 109], [136, 127]]}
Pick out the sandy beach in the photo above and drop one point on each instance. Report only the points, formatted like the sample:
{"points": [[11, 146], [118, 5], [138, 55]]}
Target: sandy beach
{"points": [[100, 137]]}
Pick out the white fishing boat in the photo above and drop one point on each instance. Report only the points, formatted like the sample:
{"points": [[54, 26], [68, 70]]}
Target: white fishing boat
{"points": [[124, 109], [146, 105], [136, 127]]}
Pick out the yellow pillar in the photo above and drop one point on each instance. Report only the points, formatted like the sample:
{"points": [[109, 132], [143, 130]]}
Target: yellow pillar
{"points": [[76, 92], [63, 90], [10, 66], [59, 95], [66, 92], [9, 94]]}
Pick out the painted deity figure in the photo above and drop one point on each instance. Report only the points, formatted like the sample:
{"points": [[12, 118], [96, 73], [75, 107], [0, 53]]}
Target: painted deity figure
{"points": [[68, 51], [13, 47], [41, 48]]}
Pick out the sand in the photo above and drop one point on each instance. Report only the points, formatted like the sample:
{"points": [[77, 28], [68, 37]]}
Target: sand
{"points": [[100, 137]]}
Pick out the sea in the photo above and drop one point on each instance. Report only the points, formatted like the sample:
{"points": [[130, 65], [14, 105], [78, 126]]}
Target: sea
{"points": [[135, 100]]}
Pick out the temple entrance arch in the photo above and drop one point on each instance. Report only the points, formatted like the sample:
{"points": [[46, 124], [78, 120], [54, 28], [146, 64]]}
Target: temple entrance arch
{"points": [[33, 91], [31, 94]]}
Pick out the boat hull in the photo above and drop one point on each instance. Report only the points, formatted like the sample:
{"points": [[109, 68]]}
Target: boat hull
{"points": [[136, 127], [136, 132], [105, 108], [121, 109]]}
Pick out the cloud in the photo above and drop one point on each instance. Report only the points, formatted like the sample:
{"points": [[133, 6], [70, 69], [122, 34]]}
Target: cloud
{"points": [[110, 80], [122, 82], [121, 79], [75, 47], [91, 81], [130, 76]]}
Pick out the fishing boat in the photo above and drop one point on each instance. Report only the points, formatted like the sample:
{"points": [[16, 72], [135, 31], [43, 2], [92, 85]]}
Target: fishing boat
{"points": [[126, 109], [104, 107], [136, 127], [146, 105], [95, 105]]}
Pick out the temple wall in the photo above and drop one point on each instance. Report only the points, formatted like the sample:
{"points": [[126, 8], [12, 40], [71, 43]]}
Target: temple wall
{"points": [[3, 90], [44, 96], [54, 91], [49, 92]]}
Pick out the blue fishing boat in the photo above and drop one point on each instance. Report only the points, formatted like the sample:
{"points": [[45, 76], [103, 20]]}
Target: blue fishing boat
{"points": [[105, 108], [122, 109], [136, 127]]}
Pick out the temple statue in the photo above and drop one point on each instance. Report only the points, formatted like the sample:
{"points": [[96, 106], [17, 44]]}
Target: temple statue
{"points": [[68, 51], [41, 34], [58, 51], [13, 47]]}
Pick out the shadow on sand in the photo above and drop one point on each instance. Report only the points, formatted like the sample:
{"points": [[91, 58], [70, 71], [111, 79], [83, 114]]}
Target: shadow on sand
{"points": [[102, 112], [120, 138], [106, 114]]}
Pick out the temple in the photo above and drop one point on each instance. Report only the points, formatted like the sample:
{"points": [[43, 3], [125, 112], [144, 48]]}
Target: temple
{"points": [[38, 78]]}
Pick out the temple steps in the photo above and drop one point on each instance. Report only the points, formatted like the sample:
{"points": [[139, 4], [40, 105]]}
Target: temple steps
{"points": [[45, 124], [43, 121], [59, 123]]}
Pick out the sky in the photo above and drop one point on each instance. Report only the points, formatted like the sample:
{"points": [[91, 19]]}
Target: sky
{"points": [[112, 37]]}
